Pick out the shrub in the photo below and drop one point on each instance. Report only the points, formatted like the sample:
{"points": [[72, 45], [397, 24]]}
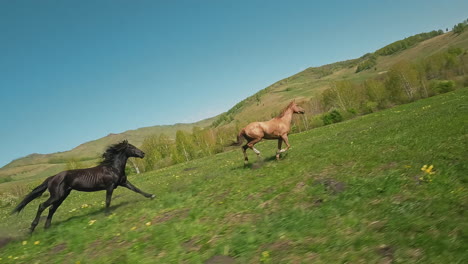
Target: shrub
{"points": [[6, 179], [370, 107], [442, 86], [332, 117]]}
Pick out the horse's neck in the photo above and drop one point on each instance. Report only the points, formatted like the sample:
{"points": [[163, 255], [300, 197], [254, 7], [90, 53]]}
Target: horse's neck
{"points": [[119, 163], [287, 117]]}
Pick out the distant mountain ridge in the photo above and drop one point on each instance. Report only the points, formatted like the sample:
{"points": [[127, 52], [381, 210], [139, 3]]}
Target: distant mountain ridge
{"points": [[92, 149]]}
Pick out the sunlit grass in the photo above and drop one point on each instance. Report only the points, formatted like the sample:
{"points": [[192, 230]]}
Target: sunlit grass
{"points": [[356, 191]]}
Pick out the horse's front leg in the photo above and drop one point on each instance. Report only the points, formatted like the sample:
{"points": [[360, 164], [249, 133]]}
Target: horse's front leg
{"points": [[130, 186], [280, 142], [286, 141], [109, 192]]}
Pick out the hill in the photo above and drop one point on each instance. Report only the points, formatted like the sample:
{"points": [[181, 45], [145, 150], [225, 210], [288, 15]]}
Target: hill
{"points": [[304, 86], [311, 82], [348, 192], [39, 165]]}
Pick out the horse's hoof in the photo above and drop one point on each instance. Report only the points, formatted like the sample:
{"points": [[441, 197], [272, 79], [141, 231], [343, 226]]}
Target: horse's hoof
{"points": [[152, 196]]}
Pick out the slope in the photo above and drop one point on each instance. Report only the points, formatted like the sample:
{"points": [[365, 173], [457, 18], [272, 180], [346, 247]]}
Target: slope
{"points": [[312, 81], [348, 192]]}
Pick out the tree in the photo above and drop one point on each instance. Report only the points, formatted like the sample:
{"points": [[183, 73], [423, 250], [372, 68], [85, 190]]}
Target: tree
{"points": [[184, 145]]}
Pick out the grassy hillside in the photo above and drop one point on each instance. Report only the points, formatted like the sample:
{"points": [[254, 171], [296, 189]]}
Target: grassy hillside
{"points": [[348, 192], [312, 81]]}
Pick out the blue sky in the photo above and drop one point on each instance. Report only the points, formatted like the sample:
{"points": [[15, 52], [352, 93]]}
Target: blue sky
{"points": [[75, 71]]}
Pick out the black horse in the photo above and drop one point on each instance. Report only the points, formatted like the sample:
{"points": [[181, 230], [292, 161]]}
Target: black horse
{"points": [[106, 176]]}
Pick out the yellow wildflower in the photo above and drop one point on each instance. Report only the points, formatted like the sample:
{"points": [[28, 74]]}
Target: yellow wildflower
{"points": [[10, 257], [37, 242], [78, 262], [133, 228], [424, 168], [24, 242], [91, 222], [148, 224], [429, 169], [265, 254], [84, 206]]}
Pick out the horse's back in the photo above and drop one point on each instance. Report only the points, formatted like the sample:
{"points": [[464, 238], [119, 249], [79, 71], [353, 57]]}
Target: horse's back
{"points": [[88, 180]]}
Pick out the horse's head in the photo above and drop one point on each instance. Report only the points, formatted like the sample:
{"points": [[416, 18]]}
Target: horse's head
{"points": [[132, 151], [297, 109]]}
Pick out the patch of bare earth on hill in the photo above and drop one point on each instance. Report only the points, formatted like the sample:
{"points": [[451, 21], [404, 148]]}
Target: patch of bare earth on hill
{"points": [[272, 204], [4, 241], [331, 185], [169, 215], [99, 248], [58, 248], [192, 244], [220, 259], [386, 252], [281, 252], [239, 218]]}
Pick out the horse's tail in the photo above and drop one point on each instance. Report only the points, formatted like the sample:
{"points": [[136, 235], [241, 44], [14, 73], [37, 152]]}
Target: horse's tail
{"points": [[240, 139], [32, 195]]}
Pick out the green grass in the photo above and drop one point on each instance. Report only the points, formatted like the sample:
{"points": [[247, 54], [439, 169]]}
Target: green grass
{"points": [[348, 192]]}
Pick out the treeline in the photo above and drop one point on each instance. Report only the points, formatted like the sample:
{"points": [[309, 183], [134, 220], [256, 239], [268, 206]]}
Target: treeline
{"points": [[407, 43], [162, 151], [404, 82], [369, 60], [460, 27]]}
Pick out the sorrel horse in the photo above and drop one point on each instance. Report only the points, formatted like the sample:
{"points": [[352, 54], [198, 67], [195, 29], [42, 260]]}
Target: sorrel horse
{"points": [[276, 128], [106, 176]]}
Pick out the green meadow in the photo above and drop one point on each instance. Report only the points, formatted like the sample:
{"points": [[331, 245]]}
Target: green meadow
{"points": [[388, 187]]}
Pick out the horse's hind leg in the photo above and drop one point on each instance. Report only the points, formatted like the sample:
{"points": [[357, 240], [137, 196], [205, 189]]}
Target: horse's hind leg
{"points": [[244, 150], [41, 209], [251, 146], [54, 207]]}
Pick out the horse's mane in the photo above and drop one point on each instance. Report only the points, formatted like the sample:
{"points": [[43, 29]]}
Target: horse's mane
{"points": [[285, 109], [112, 151]]}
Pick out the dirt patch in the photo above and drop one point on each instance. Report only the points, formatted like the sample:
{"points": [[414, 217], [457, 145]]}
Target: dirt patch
{"points": [[308, 258], [190, 169], [178, 213], [58, 248], [386, 252], [4, 241], [218, 259], [377, 225], [388, 166], [273, 203], [192, 245], [256, 165], [282, 245], [331, 185], [300, 186], [99, 248], [238, 218]]}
